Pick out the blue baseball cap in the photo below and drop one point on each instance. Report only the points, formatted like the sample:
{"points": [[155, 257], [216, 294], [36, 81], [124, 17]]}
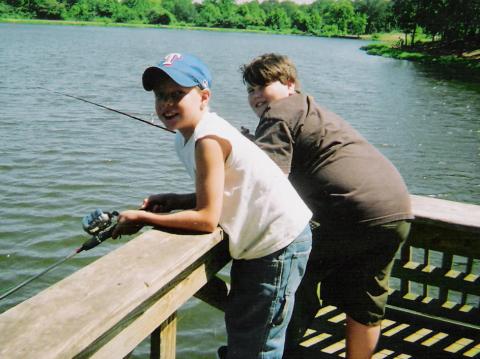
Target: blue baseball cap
{"points": [[184, 69]]}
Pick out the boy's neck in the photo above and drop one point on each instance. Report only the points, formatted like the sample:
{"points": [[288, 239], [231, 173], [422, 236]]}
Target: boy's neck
{"points": [[188, 131]]}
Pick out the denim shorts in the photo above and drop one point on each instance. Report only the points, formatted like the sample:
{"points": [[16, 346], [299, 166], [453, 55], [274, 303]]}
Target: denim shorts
{"points": [[261, 299]]}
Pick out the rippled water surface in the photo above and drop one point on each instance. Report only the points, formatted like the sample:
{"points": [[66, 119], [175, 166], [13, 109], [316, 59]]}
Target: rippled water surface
{"points": [[61, 158]]}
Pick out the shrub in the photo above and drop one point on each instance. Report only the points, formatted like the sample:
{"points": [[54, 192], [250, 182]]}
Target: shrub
{"points": [[160, 17]]}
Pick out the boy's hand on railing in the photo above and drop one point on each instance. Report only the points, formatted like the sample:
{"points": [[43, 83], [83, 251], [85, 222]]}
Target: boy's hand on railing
{"points": [[161, 203]]}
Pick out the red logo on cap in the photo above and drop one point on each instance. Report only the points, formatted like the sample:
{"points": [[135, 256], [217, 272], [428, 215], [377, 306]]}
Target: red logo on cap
{"points": [[171, 58]]}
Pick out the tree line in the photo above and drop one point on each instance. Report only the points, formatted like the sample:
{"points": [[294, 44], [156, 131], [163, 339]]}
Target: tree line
{"points": [[448, 20]]}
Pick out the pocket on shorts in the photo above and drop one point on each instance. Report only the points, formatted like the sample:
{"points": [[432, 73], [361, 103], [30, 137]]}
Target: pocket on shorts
{"points": [[283, 311]]}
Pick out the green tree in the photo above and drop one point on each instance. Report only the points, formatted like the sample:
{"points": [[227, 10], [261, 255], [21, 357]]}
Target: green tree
{"points": [[461, 21], [315, 22], [184, 10], [269, 5], [289, 6], [378, 13], [407, 14], [434, 17], [124, 14], [42, 9], [456, 21], [300, 20], [209, 14], [358, 24], [8, 11], [252, 14], [140, 8], [160, 16], [106, 8], [83, 10], [341, 14], [278, 19], [229, 17]]}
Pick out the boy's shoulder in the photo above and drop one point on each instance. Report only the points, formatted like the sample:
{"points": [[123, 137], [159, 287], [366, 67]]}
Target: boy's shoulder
{"points": [[287, 105], [290, 109]]}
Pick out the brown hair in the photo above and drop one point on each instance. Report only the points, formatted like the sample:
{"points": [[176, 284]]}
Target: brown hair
{"points": [[268, 68]]}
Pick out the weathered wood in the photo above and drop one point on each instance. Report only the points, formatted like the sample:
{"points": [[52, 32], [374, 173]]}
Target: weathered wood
{"points": [[168, 338], [82, 313], [133, 329], [440, 237], [461, 216], [163, 339]]}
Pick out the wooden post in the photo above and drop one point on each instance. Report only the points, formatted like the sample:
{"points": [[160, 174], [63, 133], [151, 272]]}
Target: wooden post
{"points": [[163, 339]]}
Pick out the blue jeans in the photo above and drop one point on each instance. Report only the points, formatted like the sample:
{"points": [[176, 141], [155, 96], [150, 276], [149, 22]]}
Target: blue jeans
{"points": [[261, 299]]}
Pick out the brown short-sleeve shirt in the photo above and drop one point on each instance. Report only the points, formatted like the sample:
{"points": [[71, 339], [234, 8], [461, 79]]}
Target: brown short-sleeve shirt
{"points": [[342, 178]]}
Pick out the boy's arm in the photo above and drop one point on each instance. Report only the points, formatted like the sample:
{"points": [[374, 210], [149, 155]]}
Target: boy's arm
{"points": [[274, 137], [167, 202], [210, 155]]}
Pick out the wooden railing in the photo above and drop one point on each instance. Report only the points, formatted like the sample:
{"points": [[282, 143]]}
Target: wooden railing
{"points": [[433, 309], [107, 308]]}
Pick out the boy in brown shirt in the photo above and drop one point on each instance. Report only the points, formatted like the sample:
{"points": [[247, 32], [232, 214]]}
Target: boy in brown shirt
{"points": [[357, 197]]}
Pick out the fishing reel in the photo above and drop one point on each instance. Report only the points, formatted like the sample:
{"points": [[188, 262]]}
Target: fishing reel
{"points": [[100, 225]]}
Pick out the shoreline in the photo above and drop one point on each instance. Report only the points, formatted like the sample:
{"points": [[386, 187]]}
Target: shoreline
{"points": [[425, 51], [107, 23], [382, 44], [451, 58]]}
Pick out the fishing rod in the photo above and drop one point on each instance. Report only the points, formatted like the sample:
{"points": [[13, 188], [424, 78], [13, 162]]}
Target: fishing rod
{"points": [[108, 108], [99, 224]]}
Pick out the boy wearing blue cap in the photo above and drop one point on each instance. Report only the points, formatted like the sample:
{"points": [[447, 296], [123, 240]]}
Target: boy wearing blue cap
{"points": [[239, 188]]}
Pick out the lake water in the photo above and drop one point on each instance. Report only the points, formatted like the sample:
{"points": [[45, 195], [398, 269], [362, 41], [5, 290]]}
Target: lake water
{"points": [[61, 158]]}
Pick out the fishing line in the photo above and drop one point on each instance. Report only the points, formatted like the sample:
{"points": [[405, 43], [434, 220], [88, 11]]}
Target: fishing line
{"points": [[48, 269], [99, 224], [108, 108], [96, 219]]}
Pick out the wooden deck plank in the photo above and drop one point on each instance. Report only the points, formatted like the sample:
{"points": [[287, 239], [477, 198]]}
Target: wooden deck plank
{"points": [[403, 336]]}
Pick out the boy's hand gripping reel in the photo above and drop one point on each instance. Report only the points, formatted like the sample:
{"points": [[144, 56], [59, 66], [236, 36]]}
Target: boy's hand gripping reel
{"points": [[100, 225]]}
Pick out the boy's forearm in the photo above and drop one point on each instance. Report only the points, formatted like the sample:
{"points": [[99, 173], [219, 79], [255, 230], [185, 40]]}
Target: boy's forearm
{"points": [[187, 219]]}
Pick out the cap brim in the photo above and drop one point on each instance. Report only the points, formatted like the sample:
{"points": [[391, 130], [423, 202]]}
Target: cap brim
{"points": [[151, 74]]}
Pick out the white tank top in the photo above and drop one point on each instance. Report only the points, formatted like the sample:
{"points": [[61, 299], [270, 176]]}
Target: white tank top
{"points": [[261, 211]]}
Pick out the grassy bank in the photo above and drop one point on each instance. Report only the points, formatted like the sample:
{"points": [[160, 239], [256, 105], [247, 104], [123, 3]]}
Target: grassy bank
{"points": [[462, 56]]}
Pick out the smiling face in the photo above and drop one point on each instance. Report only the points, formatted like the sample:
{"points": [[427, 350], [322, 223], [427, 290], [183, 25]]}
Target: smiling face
{"points": [[259, 97], [180, 108]]}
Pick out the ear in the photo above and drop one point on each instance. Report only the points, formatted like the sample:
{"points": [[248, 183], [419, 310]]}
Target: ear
{"points": [[205, 97], [291, 88]]}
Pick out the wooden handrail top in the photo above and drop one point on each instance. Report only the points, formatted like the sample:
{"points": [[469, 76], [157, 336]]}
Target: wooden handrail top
{"points": [[66, 318], [461, 216]]}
